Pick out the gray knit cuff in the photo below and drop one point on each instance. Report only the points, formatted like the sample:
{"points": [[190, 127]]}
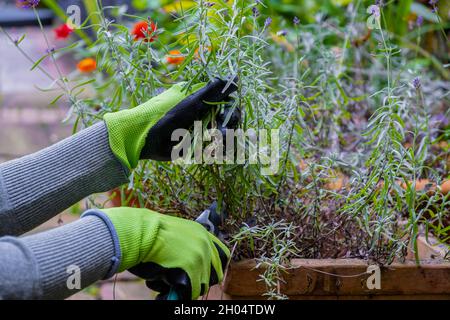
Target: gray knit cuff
{"points": [[118, 256], [85, 245], [35, 188]]}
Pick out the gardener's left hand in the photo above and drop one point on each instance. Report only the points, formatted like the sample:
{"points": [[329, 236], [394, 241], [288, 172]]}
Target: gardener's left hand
{"points": [[154, 247], [145, 132]]}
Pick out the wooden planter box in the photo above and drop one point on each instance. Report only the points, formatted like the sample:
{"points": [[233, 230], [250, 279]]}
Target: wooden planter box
{"points": [[345, 279]]}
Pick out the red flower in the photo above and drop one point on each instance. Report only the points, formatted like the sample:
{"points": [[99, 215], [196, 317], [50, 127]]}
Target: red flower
{"points": [[142, 30], [63, 31]]}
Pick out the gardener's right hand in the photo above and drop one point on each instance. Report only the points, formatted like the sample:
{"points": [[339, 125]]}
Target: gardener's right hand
{"points": [[148, 239], [145, 132]]}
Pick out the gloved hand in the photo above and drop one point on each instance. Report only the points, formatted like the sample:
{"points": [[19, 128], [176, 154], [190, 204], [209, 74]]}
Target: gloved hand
{"points": [[148, 238], [145, 131]]}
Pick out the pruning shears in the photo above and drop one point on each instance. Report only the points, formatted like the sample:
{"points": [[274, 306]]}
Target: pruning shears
{"points": [[211, 219]]}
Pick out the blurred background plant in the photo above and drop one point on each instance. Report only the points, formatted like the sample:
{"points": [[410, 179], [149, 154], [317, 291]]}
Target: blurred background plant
{"points": [[363, 116]]}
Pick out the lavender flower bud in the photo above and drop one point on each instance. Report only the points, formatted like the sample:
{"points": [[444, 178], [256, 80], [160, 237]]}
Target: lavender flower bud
{"points": [[419, 21], [416, 83], [433, 3], [255, 12]]}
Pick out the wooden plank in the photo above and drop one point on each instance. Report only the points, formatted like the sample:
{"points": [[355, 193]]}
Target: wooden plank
{"points": [[343, 277], [224, 296], [217, 293]]}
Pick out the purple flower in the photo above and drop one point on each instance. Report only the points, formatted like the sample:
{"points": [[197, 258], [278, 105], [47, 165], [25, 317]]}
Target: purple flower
{"points": [[255, 12], [267, 22], [440, 119], [433, 3], [416, 83], [209, 4], [374, 10], [282, 33], [28, 3], [296, 20], [419, 21]]}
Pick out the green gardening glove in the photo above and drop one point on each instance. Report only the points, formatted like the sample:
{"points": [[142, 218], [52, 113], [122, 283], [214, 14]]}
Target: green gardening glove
{"points": [[147, 237], [145, 131]]}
